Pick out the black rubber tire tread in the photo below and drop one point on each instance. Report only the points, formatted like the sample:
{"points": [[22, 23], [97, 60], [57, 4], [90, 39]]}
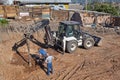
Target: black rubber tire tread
{"points": [[86, 40], [69, 45]]}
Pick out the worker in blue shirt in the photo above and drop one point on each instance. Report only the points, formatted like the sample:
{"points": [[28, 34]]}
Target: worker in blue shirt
{"points": [[43, 53]]}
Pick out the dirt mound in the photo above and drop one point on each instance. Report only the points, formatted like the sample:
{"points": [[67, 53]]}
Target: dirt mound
{"points": [[97, 63], [22, 59]]}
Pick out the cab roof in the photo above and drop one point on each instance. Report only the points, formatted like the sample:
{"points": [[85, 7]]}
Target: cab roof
{"points": [[70, 22]]}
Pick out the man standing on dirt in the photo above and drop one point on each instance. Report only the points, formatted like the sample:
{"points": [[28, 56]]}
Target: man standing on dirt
{"points": [[49, 64]]}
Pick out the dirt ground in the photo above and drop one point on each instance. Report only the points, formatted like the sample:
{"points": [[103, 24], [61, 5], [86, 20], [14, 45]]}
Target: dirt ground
{"points": [[98, 63]]}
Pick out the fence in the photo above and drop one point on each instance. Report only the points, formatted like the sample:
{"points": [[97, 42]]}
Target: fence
{"points": [[24, 12], [8, 11], [59, 15]]}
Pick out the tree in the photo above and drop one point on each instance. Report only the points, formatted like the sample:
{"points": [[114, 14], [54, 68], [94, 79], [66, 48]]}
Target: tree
{"points": [[104, 7]]}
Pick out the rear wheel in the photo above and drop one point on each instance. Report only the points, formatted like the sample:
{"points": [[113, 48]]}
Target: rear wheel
{"points": [[71, 46], [88, 43]]}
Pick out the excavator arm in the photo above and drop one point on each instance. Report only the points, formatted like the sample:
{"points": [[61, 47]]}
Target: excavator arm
{"points": [[44, 24], [34, 28]]}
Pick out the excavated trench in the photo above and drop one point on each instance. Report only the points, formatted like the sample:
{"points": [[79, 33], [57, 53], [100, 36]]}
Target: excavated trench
{"points": [[22, 59]]}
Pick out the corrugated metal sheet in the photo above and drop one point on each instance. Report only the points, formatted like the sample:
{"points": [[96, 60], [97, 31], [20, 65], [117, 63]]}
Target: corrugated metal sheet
{"points": [[44, 1]]}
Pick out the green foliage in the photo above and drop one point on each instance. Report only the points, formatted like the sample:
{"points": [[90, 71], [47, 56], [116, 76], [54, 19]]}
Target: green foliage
{"points": [[105, 7], [3, 22]]}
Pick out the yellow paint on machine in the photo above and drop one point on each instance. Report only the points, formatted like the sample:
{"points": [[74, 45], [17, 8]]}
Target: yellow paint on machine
{"points": [[66, 6]]}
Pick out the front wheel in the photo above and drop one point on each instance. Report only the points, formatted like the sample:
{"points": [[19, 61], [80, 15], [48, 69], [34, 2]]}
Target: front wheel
{"points": [[88, 43], [71, 46]]}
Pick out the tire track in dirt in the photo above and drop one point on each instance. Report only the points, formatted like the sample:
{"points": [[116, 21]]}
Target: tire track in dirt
{"points": [[63, 73], [100, 72], [76, 69], [67, 74]]}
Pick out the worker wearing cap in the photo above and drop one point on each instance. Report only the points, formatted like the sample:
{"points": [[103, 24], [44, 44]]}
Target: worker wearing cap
{"points": [[49, 64], [43, 53]]}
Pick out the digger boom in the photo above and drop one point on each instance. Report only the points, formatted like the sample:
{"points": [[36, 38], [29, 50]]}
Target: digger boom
{"points": [[44, 24]]}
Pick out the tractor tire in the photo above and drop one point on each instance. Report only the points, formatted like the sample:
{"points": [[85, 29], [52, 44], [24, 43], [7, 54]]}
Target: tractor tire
{"points": [[71, 46], [88, 43]]}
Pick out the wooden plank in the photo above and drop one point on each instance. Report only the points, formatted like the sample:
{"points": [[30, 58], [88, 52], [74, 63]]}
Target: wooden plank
{"points": [[11, 14], [11, 11], [2, 12], [57, 15], [1, 7], [46, 10], [37, 9], [25, 9]]}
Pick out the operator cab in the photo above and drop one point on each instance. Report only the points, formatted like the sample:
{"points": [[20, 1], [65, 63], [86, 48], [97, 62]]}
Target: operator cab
{"points": [[69, 29]]}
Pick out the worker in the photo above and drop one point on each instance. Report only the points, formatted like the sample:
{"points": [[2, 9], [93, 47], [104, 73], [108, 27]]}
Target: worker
{"points": [[95, 22], [43, 53], [49, 64]]}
